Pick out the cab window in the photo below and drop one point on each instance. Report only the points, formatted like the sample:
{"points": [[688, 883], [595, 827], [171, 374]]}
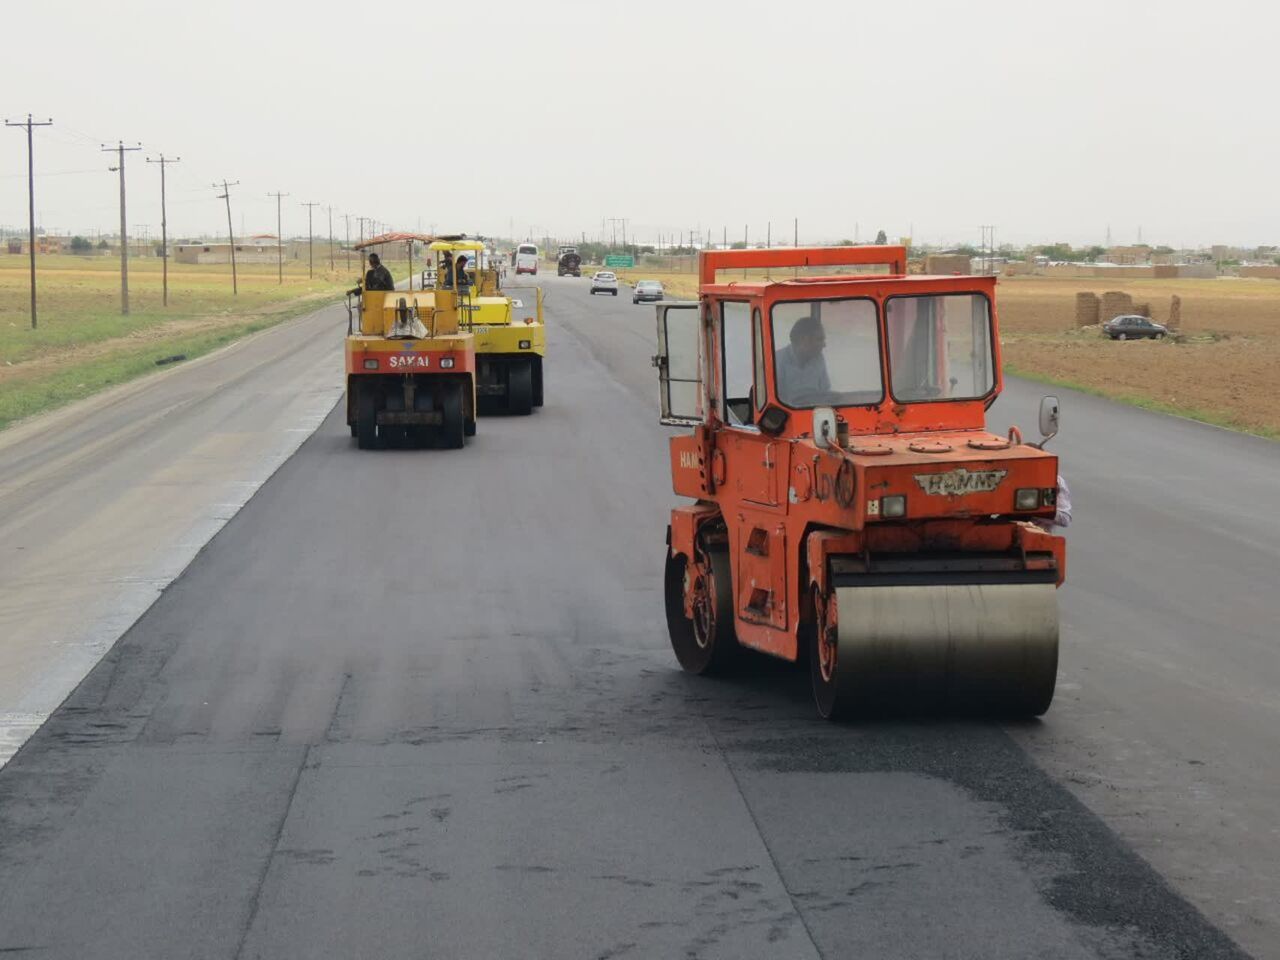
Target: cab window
{"points": [[738, 368], [940, 347], [757, 330]]}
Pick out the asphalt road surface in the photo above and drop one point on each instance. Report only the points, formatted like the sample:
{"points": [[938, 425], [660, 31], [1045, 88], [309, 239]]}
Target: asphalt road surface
{"points": [[421, 704]]}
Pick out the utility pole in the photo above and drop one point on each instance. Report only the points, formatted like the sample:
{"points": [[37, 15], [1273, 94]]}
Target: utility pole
{"points": [[164, 222], [120, 150], [362, 220], [279, 239], [331, 237], [31, 203], [988, 246], [347, 217], [311, 272], [231, 236]]}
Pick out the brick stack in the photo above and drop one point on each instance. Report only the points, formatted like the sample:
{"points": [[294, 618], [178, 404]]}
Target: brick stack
{"points": [[1115, 303], [1175, 313], [1142, 310], [1086, 309]]}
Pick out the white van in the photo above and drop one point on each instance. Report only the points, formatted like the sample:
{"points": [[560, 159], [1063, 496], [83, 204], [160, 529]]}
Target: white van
{"points": [[527, 259]]}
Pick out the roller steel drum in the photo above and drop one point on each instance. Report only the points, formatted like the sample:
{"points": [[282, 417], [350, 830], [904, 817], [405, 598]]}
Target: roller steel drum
{"points": [[990, 648]]}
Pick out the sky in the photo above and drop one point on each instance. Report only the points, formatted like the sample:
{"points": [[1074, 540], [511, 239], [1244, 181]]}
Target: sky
{"points": [[1051, 122]]}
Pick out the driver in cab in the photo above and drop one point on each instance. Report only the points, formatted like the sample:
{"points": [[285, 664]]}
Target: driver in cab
{"points": [[801, 367]]}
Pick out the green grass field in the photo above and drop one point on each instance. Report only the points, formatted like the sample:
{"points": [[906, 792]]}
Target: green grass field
{"points": [[83, 344]]}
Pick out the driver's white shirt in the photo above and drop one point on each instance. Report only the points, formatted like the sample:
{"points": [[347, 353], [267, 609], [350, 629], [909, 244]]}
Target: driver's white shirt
{"points": [[796, 379]]}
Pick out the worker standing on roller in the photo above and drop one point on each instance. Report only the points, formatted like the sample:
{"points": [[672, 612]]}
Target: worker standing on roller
{"points": [[1061, 518], [378, 277], [446, 271]]}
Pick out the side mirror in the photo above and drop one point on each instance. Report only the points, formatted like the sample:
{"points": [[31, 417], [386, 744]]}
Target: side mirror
{"points": [[1049, 417], [824, 428]]}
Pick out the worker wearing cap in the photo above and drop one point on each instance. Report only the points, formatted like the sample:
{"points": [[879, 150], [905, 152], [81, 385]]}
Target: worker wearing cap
{"points": [[446, 269], [463, 279], [378, 277], [801, 367]]}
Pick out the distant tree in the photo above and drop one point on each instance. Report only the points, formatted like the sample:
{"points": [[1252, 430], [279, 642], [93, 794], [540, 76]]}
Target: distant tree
{"points": [[882, 238], [1277, 261], [845, 243], [1057, 251], [1162, 249], [80, 245], [966, 250], [103, 245], [738, 245]]}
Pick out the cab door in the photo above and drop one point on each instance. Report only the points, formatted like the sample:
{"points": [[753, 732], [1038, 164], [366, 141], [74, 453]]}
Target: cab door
{"points": [[680, 362], [753, 457]]}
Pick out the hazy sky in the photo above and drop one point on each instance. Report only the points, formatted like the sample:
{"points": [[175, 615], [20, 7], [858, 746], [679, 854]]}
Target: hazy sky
{"points": [[1050, 121]]}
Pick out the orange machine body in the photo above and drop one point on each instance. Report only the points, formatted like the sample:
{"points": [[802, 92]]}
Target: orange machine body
{"points": [[798, 513]]}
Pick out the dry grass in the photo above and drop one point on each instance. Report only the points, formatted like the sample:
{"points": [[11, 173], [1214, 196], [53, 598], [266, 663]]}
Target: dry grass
{"points": [[81, 328]]}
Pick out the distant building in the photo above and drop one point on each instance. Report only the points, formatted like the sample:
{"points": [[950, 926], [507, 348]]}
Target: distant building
{"points": [[1135, 256], [262, 248], [947, 264]]}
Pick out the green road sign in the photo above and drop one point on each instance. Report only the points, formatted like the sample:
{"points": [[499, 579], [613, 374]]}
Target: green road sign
{"points": [[619, 260]]}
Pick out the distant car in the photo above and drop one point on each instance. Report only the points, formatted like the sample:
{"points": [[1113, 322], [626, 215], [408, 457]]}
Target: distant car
{"points": [[604, 281], [647, 290], [1133, 327]]}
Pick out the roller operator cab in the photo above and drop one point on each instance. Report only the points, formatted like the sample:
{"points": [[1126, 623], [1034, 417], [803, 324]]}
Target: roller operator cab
{"points": [[849, 505], [510, 340]]}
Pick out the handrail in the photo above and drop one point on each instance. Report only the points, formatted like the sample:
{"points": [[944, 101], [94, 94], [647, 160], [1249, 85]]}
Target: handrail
{"points": [[711, 261]]}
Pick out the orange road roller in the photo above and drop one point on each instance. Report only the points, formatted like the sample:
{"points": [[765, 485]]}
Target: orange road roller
{"points": [[849, 506]]}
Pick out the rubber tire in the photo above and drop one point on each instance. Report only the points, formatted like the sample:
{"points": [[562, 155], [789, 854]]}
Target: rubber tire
{"points": [[718, 654], [614, 292], [520, 388], [469, 428], [453, 423], [537, 382], [1122, 336], [366, 418], [634, 300]]}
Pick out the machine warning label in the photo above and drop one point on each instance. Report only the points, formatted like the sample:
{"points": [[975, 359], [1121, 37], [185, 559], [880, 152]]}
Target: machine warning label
{"points": [[959, 481], [408, 360]]}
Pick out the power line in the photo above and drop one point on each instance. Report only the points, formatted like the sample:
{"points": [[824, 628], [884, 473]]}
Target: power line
{"points": [[31, 202], [164, 221], [120, 150]]}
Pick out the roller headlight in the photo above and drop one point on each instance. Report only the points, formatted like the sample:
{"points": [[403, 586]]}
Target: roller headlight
{"points": [[446, 363], [526, 344], [371, 364], [1027, 498], [893, 507]]}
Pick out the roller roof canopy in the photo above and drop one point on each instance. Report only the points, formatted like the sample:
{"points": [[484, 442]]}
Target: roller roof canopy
{"points": [[393, 238], [456, 245]]}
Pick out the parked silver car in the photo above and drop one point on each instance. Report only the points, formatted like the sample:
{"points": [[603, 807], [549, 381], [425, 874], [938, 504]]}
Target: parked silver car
{"points": [[604, 281]]}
